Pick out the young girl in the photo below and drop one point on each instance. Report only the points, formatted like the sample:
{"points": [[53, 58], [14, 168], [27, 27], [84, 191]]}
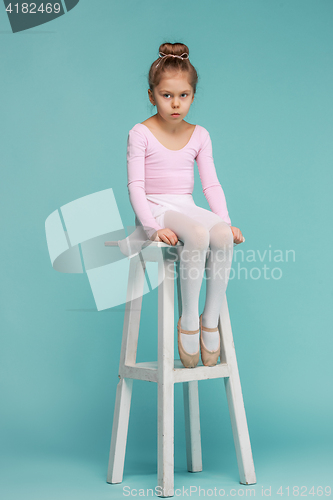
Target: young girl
{"points": [[160, 161]]}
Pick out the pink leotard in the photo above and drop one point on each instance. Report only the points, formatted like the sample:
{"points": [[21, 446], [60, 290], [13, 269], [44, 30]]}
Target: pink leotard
{"points": [[155, 169]]}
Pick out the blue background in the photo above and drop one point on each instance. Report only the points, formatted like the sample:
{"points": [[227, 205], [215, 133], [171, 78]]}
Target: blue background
{"points": [[70, 92]]}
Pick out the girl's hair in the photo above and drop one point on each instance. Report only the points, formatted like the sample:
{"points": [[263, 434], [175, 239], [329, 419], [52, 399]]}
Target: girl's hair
{"points": [[172, 63]]}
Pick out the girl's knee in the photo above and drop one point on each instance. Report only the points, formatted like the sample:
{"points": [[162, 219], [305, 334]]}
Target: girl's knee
{"points": [[221, 236], [199, 238]]}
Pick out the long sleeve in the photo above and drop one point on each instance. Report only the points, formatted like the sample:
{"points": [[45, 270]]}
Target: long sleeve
{"points": [[136, 147], [212, 188]]}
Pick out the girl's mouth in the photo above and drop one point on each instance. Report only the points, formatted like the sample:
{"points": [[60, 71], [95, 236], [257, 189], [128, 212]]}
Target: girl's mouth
{"points": [[175, 114]]}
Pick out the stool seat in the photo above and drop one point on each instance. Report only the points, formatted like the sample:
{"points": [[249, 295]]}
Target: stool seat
{"points": [[154, 244], [154, 250], [167, 371]]}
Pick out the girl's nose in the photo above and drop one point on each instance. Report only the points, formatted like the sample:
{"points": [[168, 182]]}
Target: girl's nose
{"points": [[175, 103]]}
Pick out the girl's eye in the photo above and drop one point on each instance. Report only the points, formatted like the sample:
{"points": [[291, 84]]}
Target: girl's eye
{"points": [[166, 95]]}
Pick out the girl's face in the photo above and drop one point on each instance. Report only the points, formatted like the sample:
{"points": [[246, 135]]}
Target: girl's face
{"points": [[172, 97]]}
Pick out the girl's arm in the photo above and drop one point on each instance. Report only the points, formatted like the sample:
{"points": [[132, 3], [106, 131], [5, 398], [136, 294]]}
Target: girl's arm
{"points": [[136, 147], [212, 188]]}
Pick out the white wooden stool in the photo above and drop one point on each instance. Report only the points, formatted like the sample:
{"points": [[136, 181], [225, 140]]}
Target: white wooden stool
{"points": [[167, 371]]}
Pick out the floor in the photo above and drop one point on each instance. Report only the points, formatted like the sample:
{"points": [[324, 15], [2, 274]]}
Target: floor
{"points": [[45, 477]]}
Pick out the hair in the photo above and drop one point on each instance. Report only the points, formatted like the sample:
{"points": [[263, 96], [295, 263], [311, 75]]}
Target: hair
{"points": [[172, 64]]}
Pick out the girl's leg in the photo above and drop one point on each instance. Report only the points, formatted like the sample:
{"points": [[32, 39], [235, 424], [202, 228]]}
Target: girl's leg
{"points": [[218, 267], [195, 237]]}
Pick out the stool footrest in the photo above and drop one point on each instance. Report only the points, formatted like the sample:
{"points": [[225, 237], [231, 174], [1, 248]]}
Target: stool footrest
{"points": [[149, 371]]}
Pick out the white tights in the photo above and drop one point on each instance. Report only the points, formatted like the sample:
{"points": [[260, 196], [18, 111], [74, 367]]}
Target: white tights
{"points": [[203, 250]]}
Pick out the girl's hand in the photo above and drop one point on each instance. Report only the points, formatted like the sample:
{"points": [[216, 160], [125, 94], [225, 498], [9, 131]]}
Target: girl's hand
{"points": [[165, 235], [237, 234]]}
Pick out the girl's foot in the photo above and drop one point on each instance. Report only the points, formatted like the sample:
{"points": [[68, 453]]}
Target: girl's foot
{"points": [[211, 338], [209, 344], [189, 352], [190, 341]]}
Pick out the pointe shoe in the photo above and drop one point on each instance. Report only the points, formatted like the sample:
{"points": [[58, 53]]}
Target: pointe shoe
{"points": [[188, 360], [209, 358]]}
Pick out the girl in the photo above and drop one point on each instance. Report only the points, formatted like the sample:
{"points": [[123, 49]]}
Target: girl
{"points": [[160, 159]]}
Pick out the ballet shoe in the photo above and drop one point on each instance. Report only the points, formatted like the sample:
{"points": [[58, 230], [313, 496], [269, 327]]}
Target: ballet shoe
{"points": [[209, 358], [188, 360]]}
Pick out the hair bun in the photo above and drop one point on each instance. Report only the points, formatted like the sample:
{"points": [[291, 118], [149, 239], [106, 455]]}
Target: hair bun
{"points": [[176, 49]]}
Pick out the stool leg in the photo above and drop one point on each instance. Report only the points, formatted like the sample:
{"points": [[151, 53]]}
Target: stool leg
{"points": [[191, 409], [235, 400], [127, 356], [192, 426], [119, 431], [165, 395]]}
